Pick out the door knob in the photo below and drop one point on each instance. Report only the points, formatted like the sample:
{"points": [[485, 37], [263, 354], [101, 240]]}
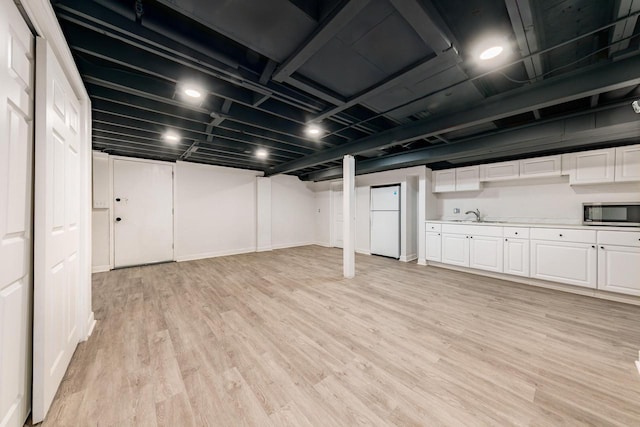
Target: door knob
{"points": [[118, 219], [117, 199]]}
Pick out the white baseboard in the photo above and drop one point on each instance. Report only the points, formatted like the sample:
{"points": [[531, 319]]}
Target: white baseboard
{"points": [[638, 365], [323, 244], [264, 249], [409, 258], [214, 254], [100, 268], [363, 252], [291, 245], [628, 299], [91, 324], [422, 262]]}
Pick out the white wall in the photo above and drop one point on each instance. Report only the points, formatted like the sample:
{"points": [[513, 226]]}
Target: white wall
{"points": [[363, 185], [322, 213], [100, 260], [215, 211], [363, 219], [550, 200], [292, 212]]}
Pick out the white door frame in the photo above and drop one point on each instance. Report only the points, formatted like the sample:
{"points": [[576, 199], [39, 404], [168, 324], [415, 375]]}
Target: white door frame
{"points": [[112, 246]]}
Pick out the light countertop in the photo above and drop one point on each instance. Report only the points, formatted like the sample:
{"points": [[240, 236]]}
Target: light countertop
{"points": [[536, 225]]}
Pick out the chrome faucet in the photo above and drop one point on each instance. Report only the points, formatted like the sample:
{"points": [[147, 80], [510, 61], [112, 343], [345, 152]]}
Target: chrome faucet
{"points": [[476, 213]]}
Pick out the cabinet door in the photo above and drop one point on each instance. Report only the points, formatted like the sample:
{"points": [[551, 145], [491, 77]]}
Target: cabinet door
{"points": [[434, 246], [500, 171], [444, 181], [468, 179], [592, 167], [628, 163], [540, 166], [619, 269], [516, 257], [485, 253], [564, 262], [455, 249]]}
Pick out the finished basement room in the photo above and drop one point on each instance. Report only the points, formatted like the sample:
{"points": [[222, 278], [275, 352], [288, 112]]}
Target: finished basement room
{"points": [[319, 213]]}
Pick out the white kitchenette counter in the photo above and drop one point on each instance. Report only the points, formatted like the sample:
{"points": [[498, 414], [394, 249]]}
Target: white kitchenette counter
{"points": [[534, 225]]}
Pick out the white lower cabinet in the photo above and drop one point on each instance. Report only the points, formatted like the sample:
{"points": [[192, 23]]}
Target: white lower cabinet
{"points": [[516, 257], [455, 249], [619, 269], [434, 246], [565, 262], [485, 253]]}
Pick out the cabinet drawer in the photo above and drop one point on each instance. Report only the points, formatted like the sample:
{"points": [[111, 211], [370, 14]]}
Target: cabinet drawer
{"points": [[563, 235], [516, 232], [621, 238], [433, 226], [473, 230]]}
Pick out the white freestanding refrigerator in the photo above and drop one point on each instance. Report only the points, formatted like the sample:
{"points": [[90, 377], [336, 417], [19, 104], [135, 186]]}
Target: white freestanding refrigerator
{"points": [[385, 221]]}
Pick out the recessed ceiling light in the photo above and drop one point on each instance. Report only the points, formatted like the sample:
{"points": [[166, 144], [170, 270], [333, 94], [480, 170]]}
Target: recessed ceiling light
{"points": [[193, 93], [491, 52], [171, 137], [261, 153], [313, 130]]}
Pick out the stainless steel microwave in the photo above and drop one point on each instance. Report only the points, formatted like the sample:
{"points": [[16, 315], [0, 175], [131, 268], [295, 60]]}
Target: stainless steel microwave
{"points": [[618, 214]]}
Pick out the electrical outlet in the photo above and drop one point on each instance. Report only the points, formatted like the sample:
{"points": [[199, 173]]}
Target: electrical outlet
{"points": [[456, 210]]}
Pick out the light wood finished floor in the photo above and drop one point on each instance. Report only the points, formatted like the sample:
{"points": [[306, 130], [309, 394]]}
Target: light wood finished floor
{"points": [[281, 339]]}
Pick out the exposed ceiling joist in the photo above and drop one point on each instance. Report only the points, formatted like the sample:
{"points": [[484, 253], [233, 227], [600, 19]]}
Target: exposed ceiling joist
{"points": [[624, 29], [337, 19], [588, 128], [424, 69], [538, 95], [521, 18], [424, 19]]}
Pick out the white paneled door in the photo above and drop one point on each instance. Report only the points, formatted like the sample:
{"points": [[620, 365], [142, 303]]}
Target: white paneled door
{"points": [[143, 212], [16, 159], [57, 218]]}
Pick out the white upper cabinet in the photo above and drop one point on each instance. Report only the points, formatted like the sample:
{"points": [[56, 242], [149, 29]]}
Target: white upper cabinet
{"points": [[540, 166], [627, 163], [500, 171], [468, 179], [444, 181], [460, 179], [590, 167]]}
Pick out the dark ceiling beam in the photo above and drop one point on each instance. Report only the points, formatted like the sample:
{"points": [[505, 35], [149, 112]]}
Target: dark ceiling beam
{"points": [[308, 86], [240, 126], [624, 29], [237, 113], [136, 124], [429, 25], [332, 24], [272, 118], [422, 70], [582, 130], [98, 18], [311, 8], [552, 91], [521, 17]]}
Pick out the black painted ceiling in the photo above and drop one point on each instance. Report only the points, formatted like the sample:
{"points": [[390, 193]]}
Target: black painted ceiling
{"points": [[394, 82]]}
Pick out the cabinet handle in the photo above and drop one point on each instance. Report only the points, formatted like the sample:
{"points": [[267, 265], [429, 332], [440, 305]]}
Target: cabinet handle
{"points": [[471, 237], [593, 246], [438, 234], [561, 235], [601, 247], [505, 240], [516, 232]]}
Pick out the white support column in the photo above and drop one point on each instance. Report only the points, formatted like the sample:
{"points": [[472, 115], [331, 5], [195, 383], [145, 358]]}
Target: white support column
{"points": [[422, 216], [263, 226], [349, 216]]}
